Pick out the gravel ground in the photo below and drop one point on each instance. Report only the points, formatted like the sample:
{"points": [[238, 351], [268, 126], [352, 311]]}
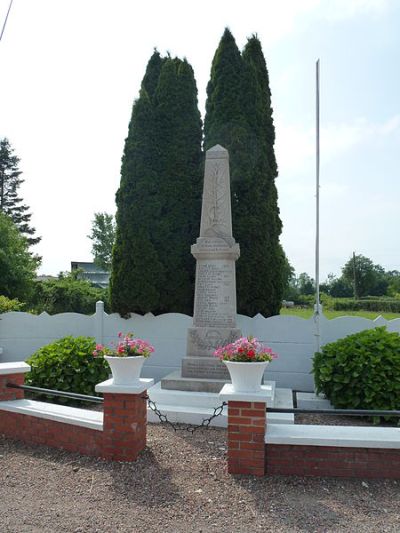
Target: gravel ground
{"points": [[180, 484]]}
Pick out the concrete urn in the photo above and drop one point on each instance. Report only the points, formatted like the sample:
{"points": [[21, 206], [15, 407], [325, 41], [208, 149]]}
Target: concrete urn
{"points": [[246, 377], [125, 370]]}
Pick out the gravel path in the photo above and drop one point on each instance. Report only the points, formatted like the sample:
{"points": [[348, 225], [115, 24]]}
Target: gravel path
{"points": [[179, 484]]}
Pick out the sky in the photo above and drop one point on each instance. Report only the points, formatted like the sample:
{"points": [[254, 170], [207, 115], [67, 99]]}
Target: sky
{"points": [[71, 70]]}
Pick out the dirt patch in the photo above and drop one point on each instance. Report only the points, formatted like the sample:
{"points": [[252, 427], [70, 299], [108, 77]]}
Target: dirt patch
{"points": [[179, 484]]}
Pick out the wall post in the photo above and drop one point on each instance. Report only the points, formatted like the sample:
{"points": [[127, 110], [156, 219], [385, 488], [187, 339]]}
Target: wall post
{"points": [[12, 373], [125, 419], [99, 322], [247, 423]]}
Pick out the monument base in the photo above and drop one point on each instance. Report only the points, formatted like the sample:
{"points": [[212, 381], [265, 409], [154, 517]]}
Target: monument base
{"points": [[175, 381]]}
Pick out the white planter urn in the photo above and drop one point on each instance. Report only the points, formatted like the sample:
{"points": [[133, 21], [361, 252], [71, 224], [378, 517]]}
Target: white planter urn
{"points": [[125, 370], [246, 377]]}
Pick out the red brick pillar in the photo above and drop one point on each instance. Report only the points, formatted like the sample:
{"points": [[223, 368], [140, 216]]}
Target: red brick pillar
{"points": [[246, 438], [246, 431], [12, 373], [125, 419]]}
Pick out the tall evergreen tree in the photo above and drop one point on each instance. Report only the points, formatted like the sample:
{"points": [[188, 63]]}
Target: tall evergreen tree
{"points": [[158, 200], [10, 202], [239, 117]]}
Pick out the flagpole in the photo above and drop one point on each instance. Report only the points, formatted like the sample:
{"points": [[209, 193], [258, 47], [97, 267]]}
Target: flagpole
{"points": [[5, 21], [317, 296]]}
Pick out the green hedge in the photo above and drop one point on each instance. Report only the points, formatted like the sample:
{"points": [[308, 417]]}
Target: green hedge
{"points": [[361, 371], [379, 305], [67, 365]]}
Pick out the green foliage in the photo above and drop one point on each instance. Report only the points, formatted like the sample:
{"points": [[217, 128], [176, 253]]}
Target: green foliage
{"points": [[67, 295], [7, 305], [239, 117], [17, 266], [361, 371], [10, 202], [365, 277], [67, 365], [159, 196], [102, 237], [393, 280], [390, 305]]}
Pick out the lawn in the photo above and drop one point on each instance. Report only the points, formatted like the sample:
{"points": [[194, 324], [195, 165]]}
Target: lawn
{"points": [[307, 313]]}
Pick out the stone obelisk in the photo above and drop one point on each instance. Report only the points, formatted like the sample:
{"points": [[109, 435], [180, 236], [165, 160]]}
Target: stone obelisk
{"points": [[214, 317]]}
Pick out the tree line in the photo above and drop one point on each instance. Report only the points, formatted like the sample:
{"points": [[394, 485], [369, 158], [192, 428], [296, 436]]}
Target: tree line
{"points": [[360, 278]]}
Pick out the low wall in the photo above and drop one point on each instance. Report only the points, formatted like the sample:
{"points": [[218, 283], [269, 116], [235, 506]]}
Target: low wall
{"points": [[332, 461], [118, 433], [293, 338], [305, 450]]}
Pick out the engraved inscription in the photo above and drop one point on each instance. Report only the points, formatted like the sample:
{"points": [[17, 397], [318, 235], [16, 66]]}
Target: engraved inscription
{"points": [[214, 297], [206, 369], [211, 340]]}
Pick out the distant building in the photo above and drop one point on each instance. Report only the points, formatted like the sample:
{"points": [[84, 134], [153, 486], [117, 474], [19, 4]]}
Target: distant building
{"points": [[92, 272], [45, 277]]}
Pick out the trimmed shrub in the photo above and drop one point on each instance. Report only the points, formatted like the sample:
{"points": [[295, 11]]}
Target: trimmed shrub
{"points": [[67, 365], [361, 371]]}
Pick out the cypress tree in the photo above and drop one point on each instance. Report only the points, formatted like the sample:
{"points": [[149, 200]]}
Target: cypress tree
{"points": [[239, 117], [137, 274], [179, 157], [158, 199]]}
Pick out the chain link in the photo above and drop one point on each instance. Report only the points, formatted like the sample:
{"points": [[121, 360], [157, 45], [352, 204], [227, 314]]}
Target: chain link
{"points": [[191, 428]]}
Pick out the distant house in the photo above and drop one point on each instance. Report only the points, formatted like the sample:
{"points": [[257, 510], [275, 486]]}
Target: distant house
{"points": [[92, 272]]}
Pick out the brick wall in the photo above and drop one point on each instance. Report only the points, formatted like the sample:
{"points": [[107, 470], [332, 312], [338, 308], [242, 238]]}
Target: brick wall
{"points": [[41, 431], [6, 393], [246, 438], [249, 454], [124, 427], [122, 437], [332, 461]]}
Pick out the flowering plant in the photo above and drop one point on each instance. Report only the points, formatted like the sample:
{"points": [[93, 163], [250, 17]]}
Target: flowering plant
{"points": [[245, 350], [128, 346]]}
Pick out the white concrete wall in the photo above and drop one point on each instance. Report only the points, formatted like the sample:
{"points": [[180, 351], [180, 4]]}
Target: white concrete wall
{"points": [[293, 338]]}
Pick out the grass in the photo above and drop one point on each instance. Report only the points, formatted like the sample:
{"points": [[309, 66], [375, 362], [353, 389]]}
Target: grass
{"points": [[307, 313]]}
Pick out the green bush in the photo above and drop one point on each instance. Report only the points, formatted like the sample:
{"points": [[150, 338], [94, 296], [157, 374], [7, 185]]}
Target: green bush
{"points": [[67, 365], [7, 305], [361, 371], [384, 305]]}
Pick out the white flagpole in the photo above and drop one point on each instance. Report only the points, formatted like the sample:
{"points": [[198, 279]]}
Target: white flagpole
{"points": [[5, 21], [317, 302]]}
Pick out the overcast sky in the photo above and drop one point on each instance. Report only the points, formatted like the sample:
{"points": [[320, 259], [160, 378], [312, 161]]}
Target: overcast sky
{"points": [[71, 70]]}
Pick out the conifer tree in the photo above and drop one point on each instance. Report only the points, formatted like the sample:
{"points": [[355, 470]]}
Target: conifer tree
{"points": [[239, 117], [158, 198], [10, 202]]}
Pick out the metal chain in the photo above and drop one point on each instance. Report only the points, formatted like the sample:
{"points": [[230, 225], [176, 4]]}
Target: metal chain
{"points": [[191, 428]]}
